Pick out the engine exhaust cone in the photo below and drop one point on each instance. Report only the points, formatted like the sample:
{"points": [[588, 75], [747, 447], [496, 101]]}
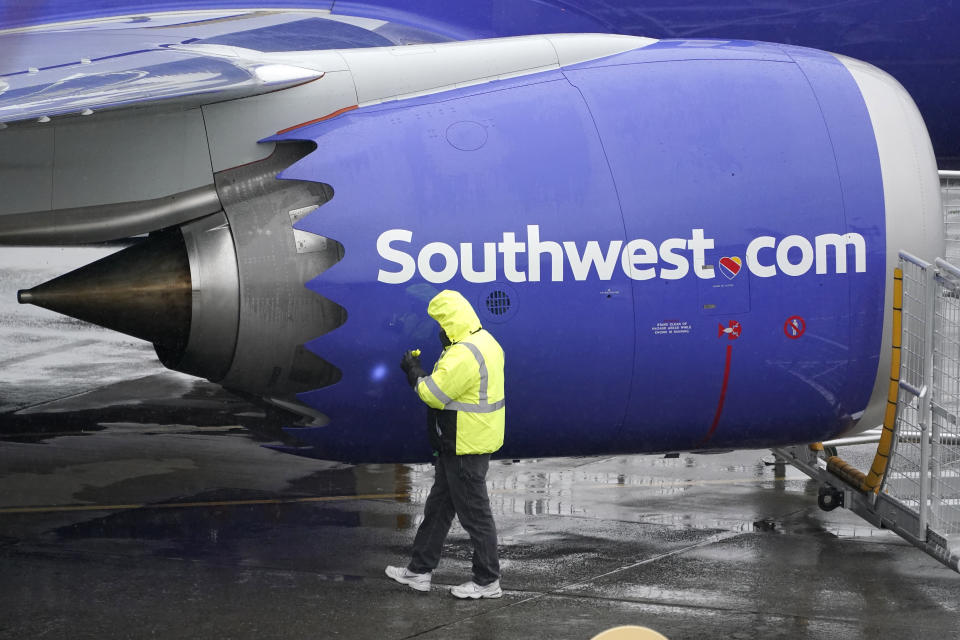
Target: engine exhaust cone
{"points": [[143, 291]]}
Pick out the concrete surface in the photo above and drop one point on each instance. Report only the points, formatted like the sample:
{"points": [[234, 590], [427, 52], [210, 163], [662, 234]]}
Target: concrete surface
{"points": [[177, 531]]}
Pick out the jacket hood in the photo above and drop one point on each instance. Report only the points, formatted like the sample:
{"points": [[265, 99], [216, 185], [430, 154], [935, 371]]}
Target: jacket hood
{"points": [[454, 314]]}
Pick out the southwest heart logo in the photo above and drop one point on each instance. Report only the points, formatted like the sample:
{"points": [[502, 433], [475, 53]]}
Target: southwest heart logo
{"points": [[730, 267]]}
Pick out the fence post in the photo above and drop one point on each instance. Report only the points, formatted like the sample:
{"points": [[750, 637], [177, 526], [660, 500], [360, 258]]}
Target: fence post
{"points": [[926, 401]]}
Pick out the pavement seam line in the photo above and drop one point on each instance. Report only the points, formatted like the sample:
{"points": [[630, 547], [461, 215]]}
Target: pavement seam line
{"points": [[719, 537], [580, 583], [188, 505], [46, 352]]}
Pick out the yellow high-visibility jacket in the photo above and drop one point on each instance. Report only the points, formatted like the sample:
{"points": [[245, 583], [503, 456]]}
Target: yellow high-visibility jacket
{"points": [[466, 386]]}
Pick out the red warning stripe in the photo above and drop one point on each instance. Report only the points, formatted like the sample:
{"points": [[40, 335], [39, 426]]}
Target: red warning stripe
{"points": [[316, 120], [723, 397]]}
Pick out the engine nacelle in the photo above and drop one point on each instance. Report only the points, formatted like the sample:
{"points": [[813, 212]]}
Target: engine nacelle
{"points": [[684, 246]]}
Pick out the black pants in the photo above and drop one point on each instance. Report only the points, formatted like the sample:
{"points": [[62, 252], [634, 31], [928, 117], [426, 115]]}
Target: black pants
{"points": [[459, 487]]}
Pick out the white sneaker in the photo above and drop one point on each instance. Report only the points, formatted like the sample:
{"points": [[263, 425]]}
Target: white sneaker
{"points": [[418, 581], [473, 590]]}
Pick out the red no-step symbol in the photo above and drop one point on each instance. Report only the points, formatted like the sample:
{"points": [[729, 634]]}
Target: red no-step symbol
{"points": [[794, 327], [732, 330]]}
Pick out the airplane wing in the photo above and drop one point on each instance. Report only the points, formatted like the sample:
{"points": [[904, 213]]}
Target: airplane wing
{"points": [[180, 60], [67, 57], [914, 44], [191, 76]]}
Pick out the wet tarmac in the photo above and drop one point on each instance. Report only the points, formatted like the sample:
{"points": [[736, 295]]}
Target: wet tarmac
{"points": [[175, 531], [136, 502], [46, 356]]}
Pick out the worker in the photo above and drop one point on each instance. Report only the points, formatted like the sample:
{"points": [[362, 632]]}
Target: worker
{"points": [[465, 424]]}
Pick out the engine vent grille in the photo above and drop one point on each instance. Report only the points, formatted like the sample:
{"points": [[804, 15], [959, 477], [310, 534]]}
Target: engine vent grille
{"points": [[498, 302]]}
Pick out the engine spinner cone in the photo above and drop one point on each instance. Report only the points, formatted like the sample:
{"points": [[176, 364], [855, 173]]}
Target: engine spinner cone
{"points": [[143, 291]]}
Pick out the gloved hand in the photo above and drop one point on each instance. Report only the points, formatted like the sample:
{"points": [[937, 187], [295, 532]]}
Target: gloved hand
{"points": [[409, 361], [411, 366]]}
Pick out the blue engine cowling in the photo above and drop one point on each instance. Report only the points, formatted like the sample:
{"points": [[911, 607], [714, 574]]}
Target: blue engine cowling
{"points": [[679, 247]]}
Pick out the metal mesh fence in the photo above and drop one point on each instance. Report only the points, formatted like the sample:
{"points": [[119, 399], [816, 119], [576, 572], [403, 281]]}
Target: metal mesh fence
{"points": [[903, 473], [931, 361], [945, 431], [950, 193]]}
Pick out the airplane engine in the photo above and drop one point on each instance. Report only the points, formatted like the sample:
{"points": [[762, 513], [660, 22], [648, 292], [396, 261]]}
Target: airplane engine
{"points": [[222, 297], [684, 246]]}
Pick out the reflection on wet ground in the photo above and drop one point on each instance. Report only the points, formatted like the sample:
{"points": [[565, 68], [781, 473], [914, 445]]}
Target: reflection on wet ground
{"points": [[138, 502], [167, 400], [280, 545], [46, 356]]}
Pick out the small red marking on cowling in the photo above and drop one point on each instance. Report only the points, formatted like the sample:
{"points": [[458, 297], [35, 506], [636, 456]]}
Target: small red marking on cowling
{"points": [[723, 397], [316, 120]]}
